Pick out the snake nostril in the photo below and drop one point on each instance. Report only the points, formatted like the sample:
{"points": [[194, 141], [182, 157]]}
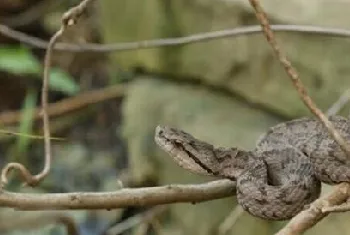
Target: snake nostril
{"points": [[159, 131]]}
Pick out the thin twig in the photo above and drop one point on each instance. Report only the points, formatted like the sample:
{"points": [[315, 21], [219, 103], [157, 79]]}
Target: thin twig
{"points": [[230, 220], [16, 134], [339, 104], [69, 104], [68, 19], [44, 104], [142, 229], [147, 196], [293, 75], [305, 219], [136, 220], [337, 208], [156, 225], [163, 42]]}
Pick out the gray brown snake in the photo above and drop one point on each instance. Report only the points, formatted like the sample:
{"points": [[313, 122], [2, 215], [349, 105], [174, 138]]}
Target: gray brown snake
{"points": [[278, 178]]}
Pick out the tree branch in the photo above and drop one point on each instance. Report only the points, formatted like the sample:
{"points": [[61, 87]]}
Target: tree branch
{"points": [[163, 42], [69, 104], [135, 220], [308, 218], [68, 19], [123, 198], [294, 76]]}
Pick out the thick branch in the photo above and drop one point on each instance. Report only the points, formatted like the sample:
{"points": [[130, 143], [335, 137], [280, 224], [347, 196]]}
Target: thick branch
{"points": [[119, 199], [308, 218]]}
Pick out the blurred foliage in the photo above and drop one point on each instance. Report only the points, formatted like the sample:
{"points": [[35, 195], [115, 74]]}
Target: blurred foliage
{"points": [[19, 60], [26, 123]]}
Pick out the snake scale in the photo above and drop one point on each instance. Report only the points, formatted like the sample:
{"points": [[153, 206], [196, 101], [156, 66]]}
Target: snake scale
{"points": [[278, 178]]}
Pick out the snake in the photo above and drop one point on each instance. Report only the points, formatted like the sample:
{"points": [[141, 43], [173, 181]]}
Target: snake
{"points": [[281, 175]]}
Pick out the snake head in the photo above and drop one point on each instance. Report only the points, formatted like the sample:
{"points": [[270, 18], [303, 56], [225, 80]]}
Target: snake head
{"points": [[179, 145], [196, 155]]}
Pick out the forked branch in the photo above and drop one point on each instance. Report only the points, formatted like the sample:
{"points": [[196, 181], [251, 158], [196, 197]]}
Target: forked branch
{"points": [[305, 219], [69, 18], [294, 76]]}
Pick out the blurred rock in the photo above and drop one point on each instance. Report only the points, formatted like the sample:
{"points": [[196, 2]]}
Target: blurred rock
{"points": [[245, 64]]}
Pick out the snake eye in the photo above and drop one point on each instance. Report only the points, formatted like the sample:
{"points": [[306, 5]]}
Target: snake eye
{"points": [[305, 153]]}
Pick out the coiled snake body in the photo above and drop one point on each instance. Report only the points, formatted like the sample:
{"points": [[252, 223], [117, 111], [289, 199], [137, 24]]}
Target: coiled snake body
{"points": [[281, 175]]}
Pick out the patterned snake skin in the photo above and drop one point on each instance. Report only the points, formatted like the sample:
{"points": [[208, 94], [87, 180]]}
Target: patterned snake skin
{"points": [[281, 175]]}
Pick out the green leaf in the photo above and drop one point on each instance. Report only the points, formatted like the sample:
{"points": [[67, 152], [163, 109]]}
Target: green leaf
{"points": [[26, 123], [18, 60], [62, 81]]}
